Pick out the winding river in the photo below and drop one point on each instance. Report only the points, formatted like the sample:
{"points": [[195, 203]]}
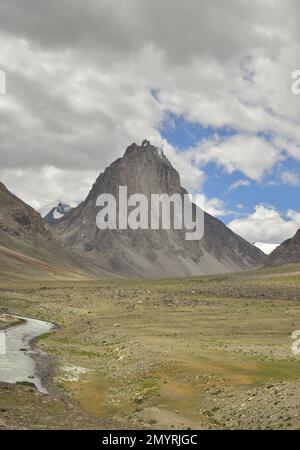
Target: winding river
{"points": [[16, 355]]}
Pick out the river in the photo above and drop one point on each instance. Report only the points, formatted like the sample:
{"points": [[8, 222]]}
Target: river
{"points": [[16, 355]]}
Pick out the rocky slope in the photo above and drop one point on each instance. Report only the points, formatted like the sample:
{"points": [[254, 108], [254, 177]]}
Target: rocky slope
{"points": [[27, 245], [287, 253], [150, 253]]}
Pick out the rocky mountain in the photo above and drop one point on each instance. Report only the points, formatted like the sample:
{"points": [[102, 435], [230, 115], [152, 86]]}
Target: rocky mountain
{"points": [[57, 212], [287, 253], [27, 245], [150, 253]]}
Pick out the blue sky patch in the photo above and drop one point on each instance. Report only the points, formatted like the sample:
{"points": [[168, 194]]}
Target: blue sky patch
{"points": [[271, 190]]}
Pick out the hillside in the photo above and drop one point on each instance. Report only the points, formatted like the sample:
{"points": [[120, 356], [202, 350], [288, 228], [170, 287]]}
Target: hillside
{"points": [[28, 248], [287, 253]]}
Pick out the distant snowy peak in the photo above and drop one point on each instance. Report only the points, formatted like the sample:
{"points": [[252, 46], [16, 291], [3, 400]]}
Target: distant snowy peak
{"points": [[57, 212]]}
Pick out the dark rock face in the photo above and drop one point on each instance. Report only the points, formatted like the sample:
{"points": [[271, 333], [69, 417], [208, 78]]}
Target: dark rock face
{"points": [[287, 253], [151, 253]]}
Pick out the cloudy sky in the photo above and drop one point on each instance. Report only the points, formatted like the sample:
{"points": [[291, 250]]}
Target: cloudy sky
{"points": [[208, 81]]}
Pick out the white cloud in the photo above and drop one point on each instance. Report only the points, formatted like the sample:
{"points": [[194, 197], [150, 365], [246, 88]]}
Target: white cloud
{"points": [[51, 185], [80, 72], [267, 225], [214, 206], [239, 183], [252, 156], [217, 207], [74, 118], [290, 177], [192, 177], [266, 248], [293, 215]]}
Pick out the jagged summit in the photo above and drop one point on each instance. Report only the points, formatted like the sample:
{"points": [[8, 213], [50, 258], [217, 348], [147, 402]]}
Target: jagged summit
{"points": [[150, 253], [146, 146]]}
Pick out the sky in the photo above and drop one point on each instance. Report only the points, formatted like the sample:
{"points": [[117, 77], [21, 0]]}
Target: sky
{"points": [[208, 82]]}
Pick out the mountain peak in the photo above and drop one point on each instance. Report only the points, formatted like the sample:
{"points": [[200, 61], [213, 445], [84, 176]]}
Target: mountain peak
{"points": [[144, 169]]}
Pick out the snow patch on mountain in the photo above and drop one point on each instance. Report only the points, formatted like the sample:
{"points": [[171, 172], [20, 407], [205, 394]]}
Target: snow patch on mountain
{"points": [[58, 211]]}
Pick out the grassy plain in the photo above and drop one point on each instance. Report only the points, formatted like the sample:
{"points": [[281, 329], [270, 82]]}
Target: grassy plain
{"points": [[205, 352]]}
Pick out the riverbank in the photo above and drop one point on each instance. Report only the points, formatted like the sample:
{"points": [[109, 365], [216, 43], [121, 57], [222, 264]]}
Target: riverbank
{"points": [[7, 321]]}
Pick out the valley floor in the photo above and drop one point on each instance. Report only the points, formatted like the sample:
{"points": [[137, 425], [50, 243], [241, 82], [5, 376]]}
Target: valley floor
{"points": [[209, 352]]}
